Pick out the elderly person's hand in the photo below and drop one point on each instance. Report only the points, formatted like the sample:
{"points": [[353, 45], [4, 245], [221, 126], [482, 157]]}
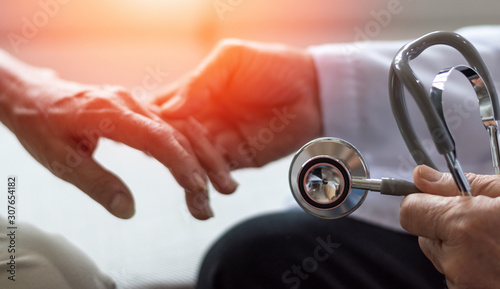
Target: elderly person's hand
{"points": [[258, 102], [460, 235], [59, 123]]}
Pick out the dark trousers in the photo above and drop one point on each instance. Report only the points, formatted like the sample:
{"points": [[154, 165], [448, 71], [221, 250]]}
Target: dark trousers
{"points": [[293, 250]]}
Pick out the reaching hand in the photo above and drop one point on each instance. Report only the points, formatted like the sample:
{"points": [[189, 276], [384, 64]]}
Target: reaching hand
{"points": [[458, 234], [60, 122], [258, 102]]}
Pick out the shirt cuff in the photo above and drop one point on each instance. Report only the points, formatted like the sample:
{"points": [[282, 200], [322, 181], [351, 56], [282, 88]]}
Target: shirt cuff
{"points": [[337, 83]]}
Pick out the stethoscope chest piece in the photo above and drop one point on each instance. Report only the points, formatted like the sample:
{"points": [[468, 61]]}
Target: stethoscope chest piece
{"points": [[321, 176]]}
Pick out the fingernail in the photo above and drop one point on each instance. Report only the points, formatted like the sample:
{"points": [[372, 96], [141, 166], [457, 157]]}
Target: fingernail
{"points": [[206, 209], [225, 184], [202, 186], [120, 205], [231, 185], [200, 206], [429, 174], [234, 184], [199, 182]]}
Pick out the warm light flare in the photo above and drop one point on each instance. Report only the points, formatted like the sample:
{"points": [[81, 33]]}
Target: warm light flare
{"points": [[155, 8]]}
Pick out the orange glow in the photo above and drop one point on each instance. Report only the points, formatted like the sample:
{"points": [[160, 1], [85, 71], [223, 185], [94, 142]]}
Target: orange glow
{"points": [[130, 18], [125, 38]]}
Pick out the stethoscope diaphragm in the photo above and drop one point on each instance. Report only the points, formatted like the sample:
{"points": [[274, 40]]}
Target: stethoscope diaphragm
{"points": [[321, 177]]}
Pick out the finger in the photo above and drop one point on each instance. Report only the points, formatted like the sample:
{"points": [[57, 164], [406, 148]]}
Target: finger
{"points": [[210, 158], [189, 100], [431, 181], [487, 185], [428, 215], [432, 249], [198, 206], [166, 93], [79, 169], [157, 139], [103, 187], [155, 102], [241, 152]]}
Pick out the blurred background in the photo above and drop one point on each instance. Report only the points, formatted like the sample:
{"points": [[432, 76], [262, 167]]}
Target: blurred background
{"points": [[113, 40], [121, 42]]}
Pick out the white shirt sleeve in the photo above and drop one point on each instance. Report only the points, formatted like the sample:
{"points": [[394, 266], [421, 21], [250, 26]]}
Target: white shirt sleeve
{"points": [[353, 84]]}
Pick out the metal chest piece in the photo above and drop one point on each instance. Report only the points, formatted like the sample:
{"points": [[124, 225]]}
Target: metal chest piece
{"points": [[321, 177]]}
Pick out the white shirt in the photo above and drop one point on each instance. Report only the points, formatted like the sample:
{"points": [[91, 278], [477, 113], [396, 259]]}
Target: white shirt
{"points": [[353, 85]]}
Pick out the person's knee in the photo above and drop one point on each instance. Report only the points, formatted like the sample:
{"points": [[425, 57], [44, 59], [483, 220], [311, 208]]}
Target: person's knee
{"points": [[49, 261]]}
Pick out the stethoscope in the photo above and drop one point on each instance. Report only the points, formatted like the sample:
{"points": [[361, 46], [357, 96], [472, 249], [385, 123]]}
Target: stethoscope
{"points": [[329, 177]]}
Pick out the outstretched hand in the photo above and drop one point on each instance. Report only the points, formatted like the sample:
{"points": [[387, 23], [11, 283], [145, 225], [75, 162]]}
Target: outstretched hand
{"points": [[60, 122], [458, 234]]}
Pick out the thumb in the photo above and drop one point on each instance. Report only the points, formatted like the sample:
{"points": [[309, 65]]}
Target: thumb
{"points": [[209, 80], [434, 182], [101, 185], [431, 181], [195, 94], [190, 100]]}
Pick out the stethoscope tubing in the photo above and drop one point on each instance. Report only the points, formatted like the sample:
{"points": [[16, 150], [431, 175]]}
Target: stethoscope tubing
{"points": [[401, 75]]}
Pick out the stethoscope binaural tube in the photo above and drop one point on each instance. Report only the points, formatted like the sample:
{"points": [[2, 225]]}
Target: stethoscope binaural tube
{"points": [[329, 179], [401, 76]]}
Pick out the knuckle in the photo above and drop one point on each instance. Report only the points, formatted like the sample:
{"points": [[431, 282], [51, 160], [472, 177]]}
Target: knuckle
{"points": [[182, 140], [230, 43], [154, 134], [484, 185], [115, 88], [124, 95], [231, 47], [96, 102]]}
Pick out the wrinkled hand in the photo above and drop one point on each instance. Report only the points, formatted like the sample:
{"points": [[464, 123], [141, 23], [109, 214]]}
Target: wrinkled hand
{"points": [[458, 234], [60, 122], [257, 102]]}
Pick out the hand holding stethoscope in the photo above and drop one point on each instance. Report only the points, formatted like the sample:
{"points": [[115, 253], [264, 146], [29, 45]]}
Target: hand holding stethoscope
{"points": [[329, 177]]}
